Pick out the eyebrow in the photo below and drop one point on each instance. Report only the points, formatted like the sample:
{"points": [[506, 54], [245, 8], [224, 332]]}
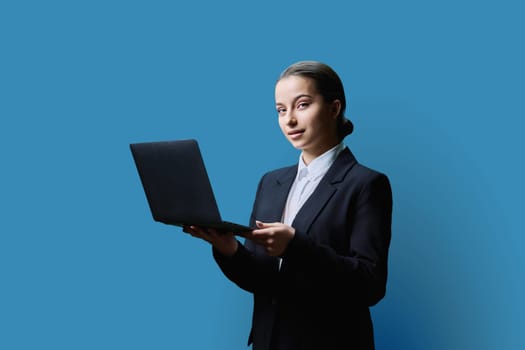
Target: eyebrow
{"points": [[296, 98]]}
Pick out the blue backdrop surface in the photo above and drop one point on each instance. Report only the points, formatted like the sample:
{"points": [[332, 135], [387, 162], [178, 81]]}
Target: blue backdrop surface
{"points": [[436, 94]]}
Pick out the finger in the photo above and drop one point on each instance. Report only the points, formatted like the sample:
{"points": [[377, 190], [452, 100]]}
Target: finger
{"points": [[257, 239], [211, 232], [199, 232], [260, 239], [189, 230], [268, 231], [261, 224], [247, 235]]}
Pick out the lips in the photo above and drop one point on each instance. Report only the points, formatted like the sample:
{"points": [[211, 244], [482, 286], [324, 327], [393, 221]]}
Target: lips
{"points": [[294, 134]]}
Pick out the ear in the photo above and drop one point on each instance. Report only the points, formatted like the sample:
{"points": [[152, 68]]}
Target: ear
{"points": [[335, 108]]}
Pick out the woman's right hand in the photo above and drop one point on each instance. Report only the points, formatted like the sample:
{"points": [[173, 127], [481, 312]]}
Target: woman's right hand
{"points": [[225, 243]]}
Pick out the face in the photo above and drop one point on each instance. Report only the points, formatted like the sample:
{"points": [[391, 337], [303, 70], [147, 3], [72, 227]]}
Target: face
{"points": [[305, 118]]}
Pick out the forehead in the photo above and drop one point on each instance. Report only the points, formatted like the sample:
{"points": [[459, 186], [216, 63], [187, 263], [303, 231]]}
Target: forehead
{"points": [[292, 86]]}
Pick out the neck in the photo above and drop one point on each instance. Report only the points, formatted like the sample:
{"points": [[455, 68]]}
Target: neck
{"points": [[309, 155]]}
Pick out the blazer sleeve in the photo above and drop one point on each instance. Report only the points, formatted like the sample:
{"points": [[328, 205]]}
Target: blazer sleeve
{"points": [[361, 273], [248, 268]]}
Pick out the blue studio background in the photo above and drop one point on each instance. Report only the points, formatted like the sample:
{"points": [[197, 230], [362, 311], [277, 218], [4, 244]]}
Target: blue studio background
{"points": [[435, 90]]}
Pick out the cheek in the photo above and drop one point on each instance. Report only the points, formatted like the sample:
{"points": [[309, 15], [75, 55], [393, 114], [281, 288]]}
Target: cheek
{"points": [[324, 119], [316, 118]]}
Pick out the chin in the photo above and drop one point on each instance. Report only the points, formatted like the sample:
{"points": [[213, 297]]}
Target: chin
{"points": [[297, 145]]}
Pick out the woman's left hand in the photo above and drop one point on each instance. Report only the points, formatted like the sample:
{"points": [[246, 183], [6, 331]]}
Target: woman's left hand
{"points": [[225, 243], [274, 237]]}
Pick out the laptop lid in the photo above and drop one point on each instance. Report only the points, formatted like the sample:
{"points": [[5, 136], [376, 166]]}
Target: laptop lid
{"points": [[177, 186]]}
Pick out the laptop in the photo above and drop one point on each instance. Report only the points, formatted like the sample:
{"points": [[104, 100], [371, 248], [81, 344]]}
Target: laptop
{"points": [[177, 186]]}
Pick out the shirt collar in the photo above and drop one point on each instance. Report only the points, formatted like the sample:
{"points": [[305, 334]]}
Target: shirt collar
{"points": [[320, 165]]}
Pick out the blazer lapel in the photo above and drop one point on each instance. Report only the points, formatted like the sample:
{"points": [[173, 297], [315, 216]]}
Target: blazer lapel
{"points": [[279, 194], [324, 191]]}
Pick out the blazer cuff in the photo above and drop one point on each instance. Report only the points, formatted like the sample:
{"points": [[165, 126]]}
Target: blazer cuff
{"points": [[224, 260], [297, 247]]}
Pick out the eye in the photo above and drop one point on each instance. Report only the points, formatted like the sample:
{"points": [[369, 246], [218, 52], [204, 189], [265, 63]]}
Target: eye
{"points": [[302, 105], [281, 110]]}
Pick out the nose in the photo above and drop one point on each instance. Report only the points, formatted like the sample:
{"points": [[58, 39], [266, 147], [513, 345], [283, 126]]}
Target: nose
{"points": [[291, 119]]}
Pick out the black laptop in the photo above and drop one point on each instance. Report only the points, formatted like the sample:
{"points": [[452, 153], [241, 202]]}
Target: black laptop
{"points": [[177, 186]]}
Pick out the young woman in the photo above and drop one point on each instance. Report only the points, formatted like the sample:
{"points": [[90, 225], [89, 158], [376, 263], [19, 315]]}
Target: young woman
{"points": [[318, 258]]}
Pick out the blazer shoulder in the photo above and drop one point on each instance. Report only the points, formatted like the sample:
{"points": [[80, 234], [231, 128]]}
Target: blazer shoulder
{"points": [[280, 173], [366, 171], [366, 175], [374, 186]]}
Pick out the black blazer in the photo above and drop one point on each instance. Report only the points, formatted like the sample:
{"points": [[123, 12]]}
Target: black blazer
{"points": [[333, 269]]}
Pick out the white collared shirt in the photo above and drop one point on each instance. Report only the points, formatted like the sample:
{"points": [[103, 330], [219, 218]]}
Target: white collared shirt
{"points": [[306, 181]]}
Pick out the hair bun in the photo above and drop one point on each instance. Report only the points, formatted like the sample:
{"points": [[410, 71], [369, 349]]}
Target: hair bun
{"points": [[346, 128]]}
